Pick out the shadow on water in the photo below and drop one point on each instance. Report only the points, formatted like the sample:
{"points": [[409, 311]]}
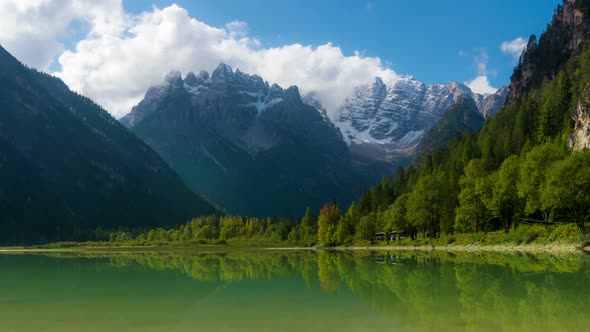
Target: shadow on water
{"points": [[435, 291]]}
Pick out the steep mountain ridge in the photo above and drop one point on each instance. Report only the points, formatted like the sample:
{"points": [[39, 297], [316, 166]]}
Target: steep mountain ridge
{"points": [[67, 167], [563, 39], [462, 116], [255, 148], [399, 113]]}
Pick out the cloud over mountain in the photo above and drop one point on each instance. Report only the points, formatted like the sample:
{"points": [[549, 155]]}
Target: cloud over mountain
{"points": [[124, 54], [514, 47], [481, 84]]}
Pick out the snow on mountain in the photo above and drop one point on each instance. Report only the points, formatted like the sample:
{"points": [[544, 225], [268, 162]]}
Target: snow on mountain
{"points": [[400, 112], [489, 105], [250, 92]]}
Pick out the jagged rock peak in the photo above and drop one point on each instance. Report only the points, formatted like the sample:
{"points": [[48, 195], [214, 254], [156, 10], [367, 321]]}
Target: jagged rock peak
{"points": [[249, 92], [204, 75], [293, 93], [466, 100], [223, 72], [191, 79], [458, 88], [378, 82], [562, 40], [173, 78], [400, 111], [275, 88], [249, 82], [378, 88], [274, 94]]}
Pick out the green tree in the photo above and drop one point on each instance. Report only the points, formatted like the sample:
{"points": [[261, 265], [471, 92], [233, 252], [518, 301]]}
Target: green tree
{"points": [[425, 205], [231, 227], [345, 229], [395, 217], [308, 228], [533, 170], [367, 227], [503, 201], [470, 215], [328, 223], [567, 188], [294, 235], [254, 228]]}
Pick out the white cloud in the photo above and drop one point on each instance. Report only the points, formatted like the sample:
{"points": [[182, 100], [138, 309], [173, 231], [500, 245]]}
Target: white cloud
{"points": [[481, 84], [122, 55], [31, 29], [237, 29], [481, 61], [514, 47]]}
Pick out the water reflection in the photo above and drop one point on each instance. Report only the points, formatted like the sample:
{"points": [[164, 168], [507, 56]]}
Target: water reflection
{"points": [[410, 291]]}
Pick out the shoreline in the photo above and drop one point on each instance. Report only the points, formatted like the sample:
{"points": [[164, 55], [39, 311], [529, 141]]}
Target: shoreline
{"points": [[525, 248], [528, 248]]}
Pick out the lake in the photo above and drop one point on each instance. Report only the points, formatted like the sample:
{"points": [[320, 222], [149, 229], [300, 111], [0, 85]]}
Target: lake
{"points": [[273, 290]]}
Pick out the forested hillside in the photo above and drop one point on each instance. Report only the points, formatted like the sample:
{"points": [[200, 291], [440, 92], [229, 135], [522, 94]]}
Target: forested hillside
{"points": [[522, 167], [68, 169]]}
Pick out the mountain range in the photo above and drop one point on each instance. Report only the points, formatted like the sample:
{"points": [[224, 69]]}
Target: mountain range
{"points": [[254, 148], [401, 112], [387, 122], [69, 169], [259, 149]]}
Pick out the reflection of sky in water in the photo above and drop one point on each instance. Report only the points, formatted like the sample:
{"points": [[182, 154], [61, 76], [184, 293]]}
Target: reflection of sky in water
{"points": [[293, 291]]}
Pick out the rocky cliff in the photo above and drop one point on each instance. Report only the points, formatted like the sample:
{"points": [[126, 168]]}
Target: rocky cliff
{"points": [[255, 148], [399, 113], [580, 136], [561, 41]]}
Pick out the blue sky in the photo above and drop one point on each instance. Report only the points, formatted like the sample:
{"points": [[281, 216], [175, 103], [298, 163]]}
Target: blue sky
{"points": [[435, 41], [113, 50]]}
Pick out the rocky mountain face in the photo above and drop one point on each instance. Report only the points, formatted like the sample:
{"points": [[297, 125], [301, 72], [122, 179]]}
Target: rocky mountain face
{"points": [[258, 149], [67, 167], [580, 137], [398, 114], [386, 123], [489, 105], [561, 40], [462, 116], [253, 148]]}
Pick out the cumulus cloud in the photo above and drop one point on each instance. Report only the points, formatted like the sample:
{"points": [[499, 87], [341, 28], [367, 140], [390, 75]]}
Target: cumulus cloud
{"points": [[481, 84], [31, 29], [122, 55], [237, 29], [481, 61], [514, 47]]}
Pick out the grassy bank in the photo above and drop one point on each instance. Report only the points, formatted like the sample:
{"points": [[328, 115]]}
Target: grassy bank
{"points": [[551, 238], [237, 243], [523, 238]]}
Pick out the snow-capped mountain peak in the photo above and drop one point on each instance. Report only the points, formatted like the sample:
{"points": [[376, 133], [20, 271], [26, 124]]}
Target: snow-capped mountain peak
{"points": [[249, 92], [400, 112]]}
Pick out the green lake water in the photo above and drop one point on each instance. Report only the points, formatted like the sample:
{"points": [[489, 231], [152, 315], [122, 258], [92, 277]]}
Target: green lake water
{"points": [[293, 291]]}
